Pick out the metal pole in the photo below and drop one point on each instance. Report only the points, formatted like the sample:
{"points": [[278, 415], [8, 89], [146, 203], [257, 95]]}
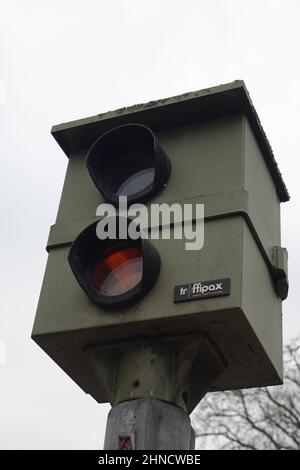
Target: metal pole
{"points": [[148, 424]]}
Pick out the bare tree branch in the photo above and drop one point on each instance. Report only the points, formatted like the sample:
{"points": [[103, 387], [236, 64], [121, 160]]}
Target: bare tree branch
{"points": [[263, 418]]}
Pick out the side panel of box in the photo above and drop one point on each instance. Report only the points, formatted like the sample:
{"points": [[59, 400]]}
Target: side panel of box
{"points": [[264, 205], [260, 303]]}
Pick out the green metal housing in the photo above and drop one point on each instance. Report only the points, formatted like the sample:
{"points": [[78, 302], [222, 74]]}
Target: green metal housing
{"points": [[220, 157]]}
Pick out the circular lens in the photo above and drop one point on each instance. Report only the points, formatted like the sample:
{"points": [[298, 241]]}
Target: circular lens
{"points": [[131, 174], [118, 272], [113, 272], [136, 182]]}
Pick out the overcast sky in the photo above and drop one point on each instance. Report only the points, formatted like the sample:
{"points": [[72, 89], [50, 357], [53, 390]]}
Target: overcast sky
{"points": [[65, 59]]}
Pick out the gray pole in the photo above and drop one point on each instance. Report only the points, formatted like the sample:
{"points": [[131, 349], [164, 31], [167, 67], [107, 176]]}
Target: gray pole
{"points": [[148, 424]]}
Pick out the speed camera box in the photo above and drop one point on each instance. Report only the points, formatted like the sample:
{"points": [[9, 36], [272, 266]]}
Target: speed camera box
{"points": [[231, 289]]}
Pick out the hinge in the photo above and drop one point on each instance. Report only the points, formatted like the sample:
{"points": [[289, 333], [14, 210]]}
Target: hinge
{"points": [[280, 271]]}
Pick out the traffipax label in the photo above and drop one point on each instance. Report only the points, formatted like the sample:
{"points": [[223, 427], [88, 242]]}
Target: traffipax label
{"points": [[201, 290]]}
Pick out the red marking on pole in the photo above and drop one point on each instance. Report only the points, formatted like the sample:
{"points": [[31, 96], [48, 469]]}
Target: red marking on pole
{"points": [[125, 443]]}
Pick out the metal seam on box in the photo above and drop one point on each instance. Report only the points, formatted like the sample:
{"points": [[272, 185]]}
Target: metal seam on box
{"points": [[231, 202], [239, 207]]}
